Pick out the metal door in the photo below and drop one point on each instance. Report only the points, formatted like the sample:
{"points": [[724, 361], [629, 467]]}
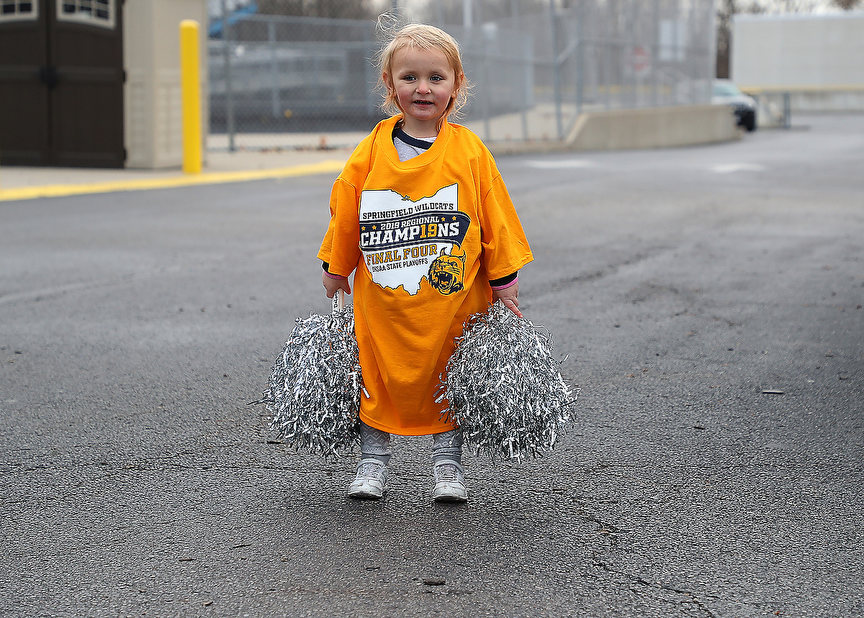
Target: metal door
{"points": [[61, 83]]}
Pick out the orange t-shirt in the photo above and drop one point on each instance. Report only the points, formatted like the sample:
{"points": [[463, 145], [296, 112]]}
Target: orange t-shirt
{"points": [[425, 237]]}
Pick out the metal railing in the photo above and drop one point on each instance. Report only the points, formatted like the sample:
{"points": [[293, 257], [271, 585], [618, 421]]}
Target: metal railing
{"points": [[777, 103]]}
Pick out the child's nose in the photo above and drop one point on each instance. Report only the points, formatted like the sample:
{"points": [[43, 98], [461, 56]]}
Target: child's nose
{"points": [[423, 87]]}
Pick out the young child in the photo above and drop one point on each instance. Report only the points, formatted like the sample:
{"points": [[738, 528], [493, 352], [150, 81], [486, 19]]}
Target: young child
{"points": [[422, 218]]}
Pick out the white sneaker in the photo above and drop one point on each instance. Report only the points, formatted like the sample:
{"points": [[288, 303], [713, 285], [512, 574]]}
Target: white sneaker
{"points": [[371, 480], [449, 483]]}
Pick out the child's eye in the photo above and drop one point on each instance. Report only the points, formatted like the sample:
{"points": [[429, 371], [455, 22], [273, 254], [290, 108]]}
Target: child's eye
{"points": [[408, 78], [436, 78]]}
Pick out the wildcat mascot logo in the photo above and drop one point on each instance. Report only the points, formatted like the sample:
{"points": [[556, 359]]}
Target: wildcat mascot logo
{"points": [[405, 241], [446, 272]]}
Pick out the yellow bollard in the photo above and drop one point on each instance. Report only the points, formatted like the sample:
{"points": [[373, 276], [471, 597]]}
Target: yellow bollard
{"points": [[190, 87]]}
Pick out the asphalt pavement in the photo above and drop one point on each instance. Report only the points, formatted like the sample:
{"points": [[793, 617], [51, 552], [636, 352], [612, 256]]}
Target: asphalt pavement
{"points": [[708, 301]]}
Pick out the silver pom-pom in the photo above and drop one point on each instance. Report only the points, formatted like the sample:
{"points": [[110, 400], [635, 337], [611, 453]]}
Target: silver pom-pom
{"points": [[504, 388], [314, 386]]}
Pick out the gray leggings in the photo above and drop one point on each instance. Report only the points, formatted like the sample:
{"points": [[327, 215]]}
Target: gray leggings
{"points": [[375, 444]]}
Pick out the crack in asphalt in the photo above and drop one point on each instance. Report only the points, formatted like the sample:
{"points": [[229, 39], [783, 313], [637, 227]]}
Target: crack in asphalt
{"points": [[598, 563], [603, 527], [610, 531]]}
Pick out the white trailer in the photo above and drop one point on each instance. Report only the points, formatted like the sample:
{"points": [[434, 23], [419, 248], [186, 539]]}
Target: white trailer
{"points": [[800, 62]]}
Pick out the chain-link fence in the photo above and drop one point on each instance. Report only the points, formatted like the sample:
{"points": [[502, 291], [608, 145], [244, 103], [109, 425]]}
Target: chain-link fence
{"points": [[301, 82]]}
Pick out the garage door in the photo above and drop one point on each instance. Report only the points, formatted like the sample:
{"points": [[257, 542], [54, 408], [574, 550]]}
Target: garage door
{"points": [[61, 83]]}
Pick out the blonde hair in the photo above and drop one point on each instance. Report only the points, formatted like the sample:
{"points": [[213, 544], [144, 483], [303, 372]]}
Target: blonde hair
{"points": [[421, 36]]}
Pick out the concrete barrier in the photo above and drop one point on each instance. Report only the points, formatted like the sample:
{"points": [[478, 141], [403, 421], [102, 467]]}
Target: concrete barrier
{"points": [[656, 127]]}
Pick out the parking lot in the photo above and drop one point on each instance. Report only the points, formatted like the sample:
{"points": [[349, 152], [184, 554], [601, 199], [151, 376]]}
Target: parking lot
{"points": [[708, 301]]}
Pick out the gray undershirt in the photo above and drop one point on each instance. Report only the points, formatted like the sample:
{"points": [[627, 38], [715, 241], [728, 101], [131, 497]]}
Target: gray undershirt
{"points": [[407, 151]]}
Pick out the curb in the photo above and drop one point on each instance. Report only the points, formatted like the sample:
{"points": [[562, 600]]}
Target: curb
{"points": [[168, 182]]}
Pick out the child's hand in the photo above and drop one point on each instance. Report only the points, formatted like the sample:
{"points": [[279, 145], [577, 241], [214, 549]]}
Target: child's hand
{"points": [[334, 283], [510, 297]]}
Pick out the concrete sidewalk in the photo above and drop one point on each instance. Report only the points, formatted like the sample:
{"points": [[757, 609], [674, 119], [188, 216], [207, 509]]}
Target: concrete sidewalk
{"points": [[17, 183]]}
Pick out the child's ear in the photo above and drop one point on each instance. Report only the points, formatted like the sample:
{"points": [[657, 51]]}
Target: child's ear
{"points": [[385, 78], [460, 81]]}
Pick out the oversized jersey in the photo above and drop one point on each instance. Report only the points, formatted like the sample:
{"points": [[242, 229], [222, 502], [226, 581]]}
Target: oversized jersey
{"points": [[425, 237]]}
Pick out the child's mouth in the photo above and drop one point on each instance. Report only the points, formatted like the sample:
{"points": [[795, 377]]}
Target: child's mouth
{"points": [[423, 103]]}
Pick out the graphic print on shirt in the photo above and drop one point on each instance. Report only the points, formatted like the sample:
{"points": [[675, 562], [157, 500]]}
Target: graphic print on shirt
{"points": [[446, 272], [404, 241]]}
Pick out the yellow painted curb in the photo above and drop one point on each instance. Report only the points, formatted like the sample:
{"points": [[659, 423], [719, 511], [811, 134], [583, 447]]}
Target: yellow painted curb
{"points": [[29, 193]]}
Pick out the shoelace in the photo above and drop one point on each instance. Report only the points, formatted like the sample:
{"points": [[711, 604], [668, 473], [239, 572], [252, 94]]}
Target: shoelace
{"points": [[370, 471], [446, 473]]}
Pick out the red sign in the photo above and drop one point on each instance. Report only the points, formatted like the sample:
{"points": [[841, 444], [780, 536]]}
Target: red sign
{"points": [[641, 60]]}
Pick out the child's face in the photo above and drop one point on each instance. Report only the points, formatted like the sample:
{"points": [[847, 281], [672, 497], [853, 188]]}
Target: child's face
{"points": [[424, 83]]}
